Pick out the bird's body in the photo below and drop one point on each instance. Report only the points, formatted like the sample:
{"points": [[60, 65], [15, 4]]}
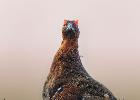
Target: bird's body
{"points": [[67, 79]]}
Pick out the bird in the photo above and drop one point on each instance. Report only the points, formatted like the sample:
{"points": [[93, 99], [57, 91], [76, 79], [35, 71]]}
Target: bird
{"points": [[68, 79]]}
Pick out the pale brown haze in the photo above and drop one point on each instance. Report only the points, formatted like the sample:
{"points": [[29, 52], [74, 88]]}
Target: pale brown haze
{"points": [[30, 34]]}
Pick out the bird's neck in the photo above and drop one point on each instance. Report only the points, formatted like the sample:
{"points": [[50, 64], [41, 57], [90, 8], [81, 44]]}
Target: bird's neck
{"points": [[66, 62], [67, 55], [68, 45]]}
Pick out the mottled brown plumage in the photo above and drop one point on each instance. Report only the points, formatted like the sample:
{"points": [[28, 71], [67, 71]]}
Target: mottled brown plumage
{"points": [[67, 79]]}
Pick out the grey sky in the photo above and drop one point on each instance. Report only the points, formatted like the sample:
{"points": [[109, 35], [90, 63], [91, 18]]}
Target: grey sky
{"points": [[30, 34]]}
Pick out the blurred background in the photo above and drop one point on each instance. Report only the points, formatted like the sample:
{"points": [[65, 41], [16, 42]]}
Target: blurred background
{"points": [[30, 34]]}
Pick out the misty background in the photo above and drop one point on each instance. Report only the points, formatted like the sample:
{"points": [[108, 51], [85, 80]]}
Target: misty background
{"points": [[30, 34]]}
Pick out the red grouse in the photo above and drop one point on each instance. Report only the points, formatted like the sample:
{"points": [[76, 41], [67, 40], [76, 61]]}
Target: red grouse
{"points": [[67, 79]]}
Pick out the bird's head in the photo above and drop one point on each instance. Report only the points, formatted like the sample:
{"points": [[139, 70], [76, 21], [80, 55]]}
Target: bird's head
{"points": [[70, 29]]}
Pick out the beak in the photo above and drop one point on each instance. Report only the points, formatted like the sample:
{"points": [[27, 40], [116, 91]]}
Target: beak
{"points": [[69, 27]]}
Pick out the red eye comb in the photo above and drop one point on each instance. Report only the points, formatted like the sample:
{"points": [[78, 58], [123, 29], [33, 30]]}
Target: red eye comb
{"points": [[76, 22], [65, 21]]}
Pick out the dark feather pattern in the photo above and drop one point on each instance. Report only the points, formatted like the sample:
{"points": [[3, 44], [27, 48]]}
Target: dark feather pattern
{"points": [[68, 79]]}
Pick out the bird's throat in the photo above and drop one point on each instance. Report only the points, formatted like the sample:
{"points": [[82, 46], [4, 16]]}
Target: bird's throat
{"points": [[68, 45]]}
